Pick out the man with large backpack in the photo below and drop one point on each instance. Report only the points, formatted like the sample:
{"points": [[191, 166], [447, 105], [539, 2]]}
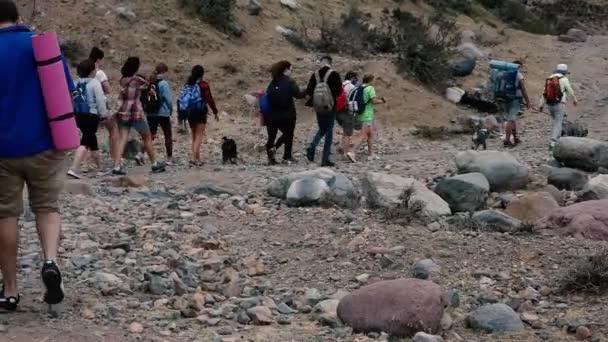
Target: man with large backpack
{"points": [[557, 90], [324, 89]]}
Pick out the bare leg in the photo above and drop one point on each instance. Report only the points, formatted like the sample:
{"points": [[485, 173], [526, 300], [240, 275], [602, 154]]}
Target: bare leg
{"points": [[199, 136], [370, 140], [9, 237], [49, 227], [120, 147], [149, 147], [113, 132], [79, 156]]}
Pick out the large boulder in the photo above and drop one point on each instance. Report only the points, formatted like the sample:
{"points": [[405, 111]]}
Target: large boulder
{"points": [[573, 36], [343, 192], [495, 318], [581, 153], [583, 220], [400, 307], [467, 192], [566, 178], [388, 191], [279, 187], [496, 221], [307, 191], [463, 66], [596, 189], [532, 207], [503, 170]]}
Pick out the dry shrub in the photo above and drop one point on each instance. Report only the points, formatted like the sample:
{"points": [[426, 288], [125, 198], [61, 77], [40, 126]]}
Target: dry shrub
{"points": [[589, 274], [432, 133], [218, 13]]}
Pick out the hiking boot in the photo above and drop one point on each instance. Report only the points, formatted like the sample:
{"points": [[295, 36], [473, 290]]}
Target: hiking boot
{"points": [[273, 162], [74, 174], [327, 163], [51, 277], [119, 172], [158, 167], [310, 154]]}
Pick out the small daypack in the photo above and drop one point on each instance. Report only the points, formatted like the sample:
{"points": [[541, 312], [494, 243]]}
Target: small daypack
{"points": [[322, 99], [503, 80], [80, 98], [264, 104], [150, 99], [191, 100], [553, 91], [356, 100], [279, 95]]}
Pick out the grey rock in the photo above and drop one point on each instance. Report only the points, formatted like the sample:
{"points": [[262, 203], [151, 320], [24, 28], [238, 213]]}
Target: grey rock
{"points": [[423, 269], [312, 297], [225, 330], [307, 191], [125, 13], [210, 190], [285, 309], [495, 318], [283, 320], [452, 298], [291, 4], [566, 178], [424, 337], [161, 28], [254, 7], [279, 187], [260, 315], [502, 170], [596, 189], [497, 221], [581, 153], [157, 285], [464, 193], [243, 318], [343, 192], [573, 36]]}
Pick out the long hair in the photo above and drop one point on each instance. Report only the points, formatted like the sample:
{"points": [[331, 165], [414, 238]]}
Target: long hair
{"points": [[197, 73], [279, 68], [86, 68], [131, 67]]}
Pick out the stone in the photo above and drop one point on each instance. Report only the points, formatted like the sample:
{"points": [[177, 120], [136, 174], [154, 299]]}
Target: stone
{"points": [[243, 318], [557, 195], [452, 298], [573, 36], [326, 312], [496, 221], [587, 220], [502, 170], [564, 178], [362, 278], [388, 191], [343, 192], [400, 307], [291, 4], [285, 309], [596, 189], [287, 33], [107, 279], [312, 297], [161, 28], [127, 14], [424, 337], [157, 285], [464, 193], [210, 190], [78, 187], [130, 181], [225, 330], [260, 315], [463, 66], [423, 269], [583, 333], [254, 7], [581, 153], [279, 187], [307, 191], [136, 328], [495, 318], [532, 207]]}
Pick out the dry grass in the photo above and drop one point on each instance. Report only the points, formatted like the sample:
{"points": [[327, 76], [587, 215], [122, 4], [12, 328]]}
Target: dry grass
{"points": [[590, 274]]}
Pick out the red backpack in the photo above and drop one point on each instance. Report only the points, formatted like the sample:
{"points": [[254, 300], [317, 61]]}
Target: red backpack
{"points": [[553, 90], [341, 102]]}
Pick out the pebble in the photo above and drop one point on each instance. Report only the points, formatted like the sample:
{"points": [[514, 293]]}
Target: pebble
{"points": [[583, 333], [136, 328], [362, 278]]}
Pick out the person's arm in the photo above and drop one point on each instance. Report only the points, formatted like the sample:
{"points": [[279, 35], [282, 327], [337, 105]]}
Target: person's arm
{"points": [[524, 92], [295, 90], [166, 95], [312, 83], [100, 99], [541, 103], [209, 97], [568, 89]]}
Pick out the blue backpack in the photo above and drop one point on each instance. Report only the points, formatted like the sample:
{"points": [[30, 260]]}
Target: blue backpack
{"points": [[191, 100], [80, 99], [356, 100], [503, 79], [264, 104]]}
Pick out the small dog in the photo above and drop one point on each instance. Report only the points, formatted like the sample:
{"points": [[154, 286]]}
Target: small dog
{"points": [[479, 137], [229, 151]]}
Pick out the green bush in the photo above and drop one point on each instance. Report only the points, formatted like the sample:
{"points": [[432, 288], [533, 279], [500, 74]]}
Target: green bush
{"points": [[218, 13]]}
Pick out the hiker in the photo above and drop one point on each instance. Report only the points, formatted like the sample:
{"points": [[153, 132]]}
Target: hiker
{"points": [[157, 101], [195, 100], [555, 96], [109, 122], [131, 115], [324, 88], [27, 157], [368, 115], [282, 114], [345, 118], [89, 108]]}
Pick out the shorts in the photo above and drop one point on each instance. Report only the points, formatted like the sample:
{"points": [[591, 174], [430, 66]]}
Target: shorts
{"points": [[182, 115], [88, 125], [347, 121], [366, 123], [139, 124], [197, 117], [509, 109], [43, 174], [163, 121]]}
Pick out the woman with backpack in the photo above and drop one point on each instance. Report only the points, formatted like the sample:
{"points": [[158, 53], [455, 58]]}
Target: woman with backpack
{"points": [[281, 114], [158, 106], [131, 115], [367, 116], [195, 100], [89, 107]]}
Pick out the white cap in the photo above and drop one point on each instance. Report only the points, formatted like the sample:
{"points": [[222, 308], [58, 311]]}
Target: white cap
{"points": [[562, 68]]}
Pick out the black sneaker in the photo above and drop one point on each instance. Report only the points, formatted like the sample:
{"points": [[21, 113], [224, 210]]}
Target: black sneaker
{"points": [[310, 154], [327, 164], [51, 277], [158, 167], [119, 172]]}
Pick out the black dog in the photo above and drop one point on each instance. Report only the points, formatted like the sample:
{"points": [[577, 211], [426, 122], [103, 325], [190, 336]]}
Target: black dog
{"points": [[229, 151], [574, 129], [479, 137]]}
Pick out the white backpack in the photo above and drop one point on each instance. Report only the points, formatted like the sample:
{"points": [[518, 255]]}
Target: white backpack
{"points": [[322, 99]]}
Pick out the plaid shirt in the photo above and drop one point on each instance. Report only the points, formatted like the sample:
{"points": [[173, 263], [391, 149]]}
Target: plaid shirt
{"points": [[130, 107], [206, 92]]}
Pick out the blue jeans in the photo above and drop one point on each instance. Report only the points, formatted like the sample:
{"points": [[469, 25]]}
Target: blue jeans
{"points": [[326, 130]]}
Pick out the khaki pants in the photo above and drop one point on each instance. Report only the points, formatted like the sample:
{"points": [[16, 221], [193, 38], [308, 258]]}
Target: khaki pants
{"points": [[43, 174]]}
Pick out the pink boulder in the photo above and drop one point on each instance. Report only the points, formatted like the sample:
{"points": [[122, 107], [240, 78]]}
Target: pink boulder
{"points": [[400, 307], [583, 220]]}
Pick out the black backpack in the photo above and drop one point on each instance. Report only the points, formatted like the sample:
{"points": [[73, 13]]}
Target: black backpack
{"points": [[150, 99]]}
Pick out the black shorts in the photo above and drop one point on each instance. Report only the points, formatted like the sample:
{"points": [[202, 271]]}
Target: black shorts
{"points": [[347, 121], [88, 124], [197, 117], [182, 115]]}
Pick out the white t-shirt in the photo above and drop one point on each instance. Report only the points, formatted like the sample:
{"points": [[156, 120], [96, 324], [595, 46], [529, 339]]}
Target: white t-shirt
{"points": [[348, 86], [520, 77], [101, 76]]}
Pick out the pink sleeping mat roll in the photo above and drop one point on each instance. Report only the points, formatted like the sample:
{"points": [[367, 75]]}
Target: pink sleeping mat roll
{"points": [[57, 98]]}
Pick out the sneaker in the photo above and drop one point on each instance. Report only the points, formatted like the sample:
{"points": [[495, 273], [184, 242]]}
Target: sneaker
{"points": [[139, 159], [272, 162], [552, 146], [158, 167], [74, 174], [290, 161], [119, 172], [310, 154], [327, 164], [351, 157], [51, 277]]}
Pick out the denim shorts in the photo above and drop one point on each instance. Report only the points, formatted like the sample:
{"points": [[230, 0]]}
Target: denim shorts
{"points": [[509, 109], [139, 124]]}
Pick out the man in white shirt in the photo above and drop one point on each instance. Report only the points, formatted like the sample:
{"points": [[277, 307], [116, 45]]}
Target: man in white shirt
{"points": [[97, 55]]}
